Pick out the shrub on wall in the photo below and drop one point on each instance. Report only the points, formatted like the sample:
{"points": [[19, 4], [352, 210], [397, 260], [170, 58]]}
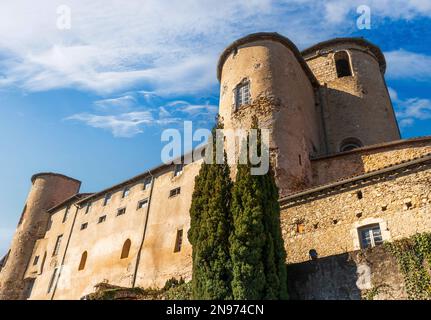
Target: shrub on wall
{"points": [[414, 258]]}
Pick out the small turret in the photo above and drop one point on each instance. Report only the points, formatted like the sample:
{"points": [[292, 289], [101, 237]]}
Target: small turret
{"points": [[47, 190], [264, 74], [354, 97]]}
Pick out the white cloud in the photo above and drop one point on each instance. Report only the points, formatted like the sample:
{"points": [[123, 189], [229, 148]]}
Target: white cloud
{"points": [[406, 64], [411, 109], [123, 125], [128, 124], [123, 102], [167, 47]]}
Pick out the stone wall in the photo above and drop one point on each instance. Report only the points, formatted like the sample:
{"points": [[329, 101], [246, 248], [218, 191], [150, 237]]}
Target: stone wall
{"points": [[47, 190], [282, 97], [328, 221], [371, 274], [356, 106], [103, 241], [332, 168]]}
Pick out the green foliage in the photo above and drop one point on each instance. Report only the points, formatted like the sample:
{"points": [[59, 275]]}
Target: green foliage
{"points": [[209, 231], [172, 283], [173, 290], [256, 245], [414, 258], [180, 292], [374, 291]]}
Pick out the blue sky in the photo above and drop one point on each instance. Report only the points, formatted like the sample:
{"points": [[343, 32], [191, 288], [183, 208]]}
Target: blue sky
{"points": [[91, 101]]}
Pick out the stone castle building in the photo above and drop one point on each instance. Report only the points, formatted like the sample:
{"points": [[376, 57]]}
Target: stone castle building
{"points": [[347, 182]]}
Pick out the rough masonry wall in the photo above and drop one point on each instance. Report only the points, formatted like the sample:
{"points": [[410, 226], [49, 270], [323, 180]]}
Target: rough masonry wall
{"points": [[355, 162], [283, 99], [371, 274], [104, 241], [46, 191], [328, 222], [356, 106]]}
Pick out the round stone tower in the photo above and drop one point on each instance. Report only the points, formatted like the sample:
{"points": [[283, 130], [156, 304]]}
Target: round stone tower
{"points": [[355, 99], [47, 190], [264, 74]]}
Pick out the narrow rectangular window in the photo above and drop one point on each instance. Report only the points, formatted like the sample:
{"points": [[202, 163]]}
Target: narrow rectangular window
{"points": [[142, 203], [178, 241], [178, 169], [108, 197], [121, 211], [57, 245], [126, 192], [84, 226], [88, 208], [48, 227], [51, 282], [66, 214], [147, 183], [242, 94], [36, 260], [174, 192], [102, 219]]}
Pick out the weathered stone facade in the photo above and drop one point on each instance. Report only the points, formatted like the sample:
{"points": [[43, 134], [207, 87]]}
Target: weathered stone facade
{"points": [[398, 200], [135, 233], [371, 274]]}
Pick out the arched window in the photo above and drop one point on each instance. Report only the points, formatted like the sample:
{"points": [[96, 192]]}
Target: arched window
{"points": [[83, 261], [350, 144], [126, 249], [342, 64]]}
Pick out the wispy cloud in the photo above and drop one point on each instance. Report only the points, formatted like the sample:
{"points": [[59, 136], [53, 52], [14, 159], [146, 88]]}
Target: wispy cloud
{"points": [[128, 124], [123, 102], [122, 125], [158, 46], [410, 110], [408, 65]]}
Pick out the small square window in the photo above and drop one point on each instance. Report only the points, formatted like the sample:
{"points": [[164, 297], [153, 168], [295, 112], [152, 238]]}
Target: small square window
{"points": [[174, 192], [370, 236], [121, 211], [126, 192], [108, 197], [36, 260], [84, 226], [178, 170], [178, 241], [142, 203], [102, 219], [300, 228], [147, 183]]}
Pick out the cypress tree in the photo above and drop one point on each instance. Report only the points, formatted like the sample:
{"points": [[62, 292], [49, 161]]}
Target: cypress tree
{"points": [[256, 245], [209, 230]]}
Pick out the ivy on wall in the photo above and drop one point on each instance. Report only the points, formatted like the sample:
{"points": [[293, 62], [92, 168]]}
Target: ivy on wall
{"points": [[414, 258]]}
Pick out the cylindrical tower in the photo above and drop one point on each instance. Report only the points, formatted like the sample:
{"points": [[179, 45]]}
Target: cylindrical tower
{"points": [[355, 99], [47, 190], [264, 74]]}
